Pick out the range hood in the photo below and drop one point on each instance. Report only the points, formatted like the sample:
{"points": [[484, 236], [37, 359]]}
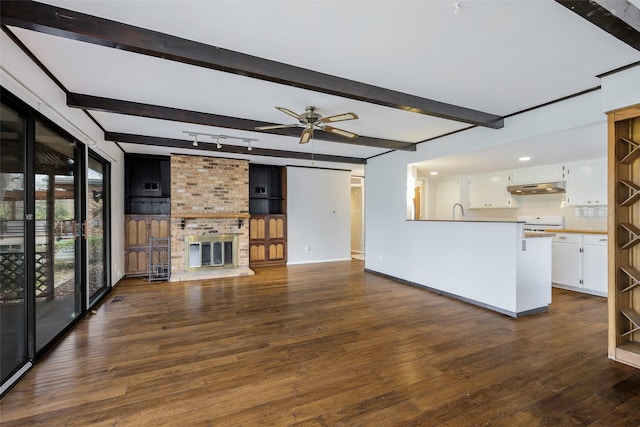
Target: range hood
{"points": [[541, 188]]}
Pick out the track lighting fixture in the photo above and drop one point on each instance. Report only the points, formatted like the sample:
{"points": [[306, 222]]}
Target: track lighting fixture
{"points": [[217, 138]]}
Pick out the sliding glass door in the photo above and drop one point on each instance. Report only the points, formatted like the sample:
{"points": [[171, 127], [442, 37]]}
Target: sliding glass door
{"points": [[13, 289], [97, 222], [54, 228], [57, 234]]}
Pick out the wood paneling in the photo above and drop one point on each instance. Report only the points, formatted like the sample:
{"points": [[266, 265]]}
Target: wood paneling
{"points": [[325, 345]]}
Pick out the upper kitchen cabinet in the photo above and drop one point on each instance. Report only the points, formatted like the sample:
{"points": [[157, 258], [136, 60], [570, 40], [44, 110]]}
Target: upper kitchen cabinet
{"points": [[448, 193], [587, 183], [540, 174], [490, 191]]}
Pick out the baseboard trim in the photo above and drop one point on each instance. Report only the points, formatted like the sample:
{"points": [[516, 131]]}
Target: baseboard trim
{"points": [[513, 314]]}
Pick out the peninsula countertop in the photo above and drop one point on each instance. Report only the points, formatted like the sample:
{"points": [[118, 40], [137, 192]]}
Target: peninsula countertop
{"points": [[575, 230]]}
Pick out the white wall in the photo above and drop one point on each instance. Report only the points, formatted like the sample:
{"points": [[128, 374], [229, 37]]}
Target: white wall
{"points": [[621, 90], [24, 79], [392, 244], [318, 215]]}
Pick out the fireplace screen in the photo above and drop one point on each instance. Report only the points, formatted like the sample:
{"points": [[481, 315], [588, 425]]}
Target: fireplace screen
{"points": [[208, 252]]}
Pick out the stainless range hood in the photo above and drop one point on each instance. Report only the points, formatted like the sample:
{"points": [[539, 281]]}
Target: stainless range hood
{"points": [[541, 188]]}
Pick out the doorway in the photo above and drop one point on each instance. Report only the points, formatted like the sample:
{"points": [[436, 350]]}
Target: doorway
{"points": [[357, 217]]}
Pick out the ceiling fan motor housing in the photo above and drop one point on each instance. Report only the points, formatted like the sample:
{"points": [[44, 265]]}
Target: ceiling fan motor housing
{"points": [[310, 116]]}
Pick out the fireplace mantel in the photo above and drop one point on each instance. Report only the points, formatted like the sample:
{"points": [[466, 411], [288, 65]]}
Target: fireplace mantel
{"points": [[211, 215]]}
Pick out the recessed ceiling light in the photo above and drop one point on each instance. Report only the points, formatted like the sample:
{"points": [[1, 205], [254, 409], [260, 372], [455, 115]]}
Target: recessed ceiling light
{"points": [[524, 158], [433, 173]]}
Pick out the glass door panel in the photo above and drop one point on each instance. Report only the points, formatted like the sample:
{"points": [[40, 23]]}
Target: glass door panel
{"points": [[13, 302], [57, 287], [96, 227]]}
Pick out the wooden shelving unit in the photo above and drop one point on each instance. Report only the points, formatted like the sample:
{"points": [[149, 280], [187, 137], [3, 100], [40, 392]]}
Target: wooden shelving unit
{"points": [[624, 235], [268, 223]]}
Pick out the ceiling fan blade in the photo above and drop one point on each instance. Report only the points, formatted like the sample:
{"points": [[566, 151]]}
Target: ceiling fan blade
{"points": [[306, 135], [276, 126], [289, 112], [339, 118], [341, 132]]}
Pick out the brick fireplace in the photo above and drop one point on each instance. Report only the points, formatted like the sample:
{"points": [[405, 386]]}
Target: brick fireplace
{"points": [[209, 202]]}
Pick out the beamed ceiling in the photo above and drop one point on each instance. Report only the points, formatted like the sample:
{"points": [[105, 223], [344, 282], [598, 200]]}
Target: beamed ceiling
{"points": [[413, 71]]}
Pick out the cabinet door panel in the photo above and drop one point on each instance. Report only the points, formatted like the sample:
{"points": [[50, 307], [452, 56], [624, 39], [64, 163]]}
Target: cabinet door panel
{"points": [[565, 267], [267, 234], [273, 228], [594, 271]]}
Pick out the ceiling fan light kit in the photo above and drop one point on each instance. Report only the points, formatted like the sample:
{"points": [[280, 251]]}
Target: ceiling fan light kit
{"points": [[311, 120]]}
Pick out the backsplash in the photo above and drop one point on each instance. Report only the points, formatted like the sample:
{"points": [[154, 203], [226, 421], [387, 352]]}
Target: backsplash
{"points": [[576, 217]]}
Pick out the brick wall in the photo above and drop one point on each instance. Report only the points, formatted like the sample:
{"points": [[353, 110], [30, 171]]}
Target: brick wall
{"points": [[208, 185]]}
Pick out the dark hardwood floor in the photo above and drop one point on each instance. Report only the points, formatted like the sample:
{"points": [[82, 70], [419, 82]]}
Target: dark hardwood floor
{"points": [[325, 344]]}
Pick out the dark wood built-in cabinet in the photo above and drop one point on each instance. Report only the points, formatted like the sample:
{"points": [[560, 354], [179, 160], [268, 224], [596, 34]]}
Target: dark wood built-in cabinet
{"points": [[147, 185], [268, 223], [268, 239], [140, 253], [147, 213], [624, 235]]}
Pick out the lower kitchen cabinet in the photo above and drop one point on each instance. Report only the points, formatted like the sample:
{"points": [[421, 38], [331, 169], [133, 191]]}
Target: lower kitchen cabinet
{"points": [[580, 262]]}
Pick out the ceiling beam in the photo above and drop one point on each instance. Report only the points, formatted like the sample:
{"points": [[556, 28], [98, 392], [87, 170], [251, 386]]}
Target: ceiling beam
{"points": [[617, 25], [227, 148], [109, 105], [91, 29]]}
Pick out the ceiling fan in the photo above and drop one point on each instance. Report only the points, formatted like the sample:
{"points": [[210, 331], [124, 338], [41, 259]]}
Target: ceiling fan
{"points": [[311, 120]]}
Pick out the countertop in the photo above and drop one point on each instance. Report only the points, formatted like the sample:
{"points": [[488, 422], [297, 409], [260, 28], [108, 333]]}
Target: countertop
{"points": [[530, 234], [573, 230], [464, 220]]}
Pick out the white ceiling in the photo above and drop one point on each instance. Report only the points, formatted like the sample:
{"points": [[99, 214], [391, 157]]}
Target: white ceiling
{"points": [[494, 56]]}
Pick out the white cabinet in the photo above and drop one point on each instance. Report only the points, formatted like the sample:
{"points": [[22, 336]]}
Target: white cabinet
{"points": [[548, 173], [565, 264], [447, 194], [594, 263], [490, 191], [579, 262], [587, 183]]}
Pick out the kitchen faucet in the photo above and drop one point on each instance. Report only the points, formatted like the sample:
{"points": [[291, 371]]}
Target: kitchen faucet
{"points": [[453, 211]]}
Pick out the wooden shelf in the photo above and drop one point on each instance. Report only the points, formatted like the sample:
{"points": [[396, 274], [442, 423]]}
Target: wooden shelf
{"points": [[211, 215], [632, 153], [634, 318], [634, 277], [630, 191], [632, 233], [624, 233]]}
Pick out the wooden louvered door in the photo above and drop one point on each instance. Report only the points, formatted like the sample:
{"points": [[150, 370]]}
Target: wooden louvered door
{"points": [[267, 240]]}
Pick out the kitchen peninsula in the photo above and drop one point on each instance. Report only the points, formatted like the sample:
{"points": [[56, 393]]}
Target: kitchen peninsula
{"points": [[492, 264]]}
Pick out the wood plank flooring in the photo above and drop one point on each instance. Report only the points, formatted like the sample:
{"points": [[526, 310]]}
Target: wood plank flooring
{"points": [[325, 345]]}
